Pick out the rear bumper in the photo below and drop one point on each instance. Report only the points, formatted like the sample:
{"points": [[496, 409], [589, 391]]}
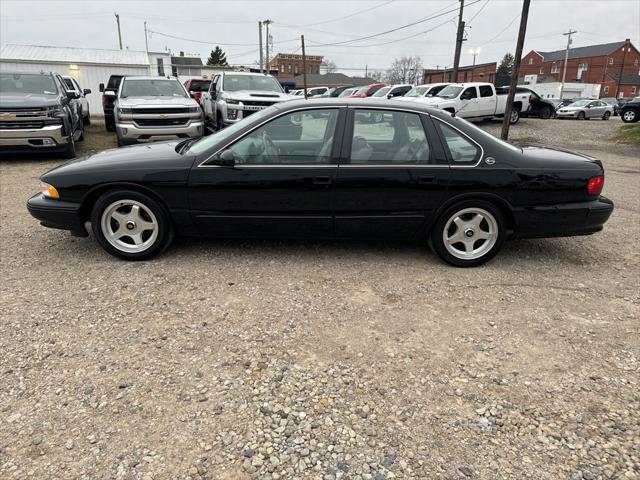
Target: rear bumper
{"points": [[57, 214], [49, 136], [132, 133], [562, 220]]}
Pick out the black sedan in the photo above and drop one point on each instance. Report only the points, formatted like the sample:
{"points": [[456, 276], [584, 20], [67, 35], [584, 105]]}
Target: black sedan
{"points": [[320, 169]]}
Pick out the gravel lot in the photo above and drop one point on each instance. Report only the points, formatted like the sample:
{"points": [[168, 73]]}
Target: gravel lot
{"points": [[322, 360]]}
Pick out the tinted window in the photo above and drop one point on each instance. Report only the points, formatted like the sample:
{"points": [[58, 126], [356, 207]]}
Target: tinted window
{"points": [[234, 83], [388, 137], [462, 149], [69, 84], [296, 138], [486, 91], [114, 82], [199, 85], [27, 83], [469, 93]]}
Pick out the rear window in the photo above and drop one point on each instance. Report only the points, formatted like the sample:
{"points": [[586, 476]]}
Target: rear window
{"points": [[27, 83], [486, 91], [199, 85], [114, 82]]}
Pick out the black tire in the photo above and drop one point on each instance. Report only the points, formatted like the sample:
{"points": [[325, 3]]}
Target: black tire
{"points": [[81, 128], [110, 124], [581, 116], [219, 123], [70, 149], [629, 115], [164, 234], [546, 113], [87, 120], [606, 115], [515, 116], [497, 224]]}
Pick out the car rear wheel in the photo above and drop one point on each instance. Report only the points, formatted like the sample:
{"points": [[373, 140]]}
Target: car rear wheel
{"points": [[606, 115], [469, 233], [581, 116], [87, 118], [515, 116], [629, 116], [546, 113], [131, 225]]}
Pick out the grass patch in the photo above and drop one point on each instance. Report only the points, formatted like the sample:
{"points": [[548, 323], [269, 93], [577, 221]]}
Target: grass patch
{"points": [[629, 134], [524, 139]]}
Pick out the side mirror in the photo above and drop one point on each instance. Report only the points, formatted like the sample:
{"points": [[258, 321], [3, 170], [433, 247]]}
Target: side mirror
{"points": [[87, 91], [192, 94], [227, 158], [110, 93], [101, 87], [72, 94]]}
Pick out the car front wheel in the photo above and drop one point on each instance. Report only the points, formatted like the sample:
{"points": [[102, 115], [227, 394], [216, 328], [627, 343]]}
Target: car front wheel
{"points": [[629, 116], [131, 225], [469, 233]]}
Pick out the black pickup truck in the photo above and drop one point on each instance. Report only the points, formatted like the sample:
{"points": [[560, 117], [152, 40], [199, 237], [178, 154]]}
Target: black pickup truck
{"points": [[630, 111], [109, 96], [38, 112]]}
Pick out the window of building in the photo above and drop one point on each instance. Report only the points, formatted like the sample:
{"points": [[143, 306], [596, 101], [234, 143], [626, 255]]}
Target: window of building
{"points": [[282, 68], [606, 90], [531, 61], [289, 68], [541, 70], [297, 138], [633, 90], [160, 63], [295, 67], [388, 137], [635, 62], [610, 61], [555, 69], [583, 66]]}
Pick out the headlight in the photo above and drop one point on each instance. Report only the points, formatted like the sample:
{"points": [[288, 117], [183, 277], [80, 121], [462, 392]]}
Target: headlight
{"points": [[194, 110], [55, 111], [231, 101], [49, 191], [125, 111]]}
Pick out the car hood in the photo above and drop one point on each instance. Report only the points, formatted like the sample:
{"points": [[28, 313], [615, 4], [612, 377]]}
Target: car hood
{"points": [[250, 95], [8, 100], [156, 101]]}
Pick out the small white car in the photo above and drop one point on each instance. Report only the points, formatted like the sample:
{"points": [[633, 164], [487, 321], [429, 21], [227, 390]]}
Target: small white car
{"points": [[423, 91]]}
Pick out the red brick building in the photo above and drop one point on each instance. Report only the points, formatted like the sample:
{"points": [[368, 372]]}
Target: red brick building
{"points": [[483, 72], [601, 64], [290, 65]]}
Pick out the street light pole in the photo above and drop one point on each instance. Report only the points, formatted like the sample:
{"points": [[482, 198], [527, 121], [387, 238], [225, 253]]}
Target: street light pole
{"points": [[119, 34], [475, 53], [566, 59]]}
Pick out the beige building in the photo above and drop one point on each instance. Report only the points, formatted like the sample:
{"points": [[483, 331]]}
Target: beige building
{"points": [[289, 65]]}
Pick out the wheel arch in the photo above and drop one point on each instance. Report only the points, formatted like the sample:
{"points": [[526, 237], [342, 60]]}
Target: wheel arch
{"points": [[92, 196], [505, 207]]}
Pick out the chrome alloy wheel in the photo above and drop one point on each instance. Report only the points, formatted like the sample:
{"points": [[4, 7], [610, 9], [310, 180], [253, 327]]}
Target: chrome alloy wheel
{"points": [[470, 233], [629, 116], [129, 226]]}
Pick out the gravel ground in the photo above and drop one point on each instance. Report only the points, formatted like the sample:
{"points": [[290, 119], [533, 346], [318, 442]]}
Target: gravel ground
{"points": [[322, 360]]}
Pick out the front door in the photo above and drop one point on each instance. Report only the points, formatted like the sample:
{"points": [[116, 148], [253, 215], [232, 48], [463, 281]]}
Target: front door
{"points": [[281, 183], [392, 177]]}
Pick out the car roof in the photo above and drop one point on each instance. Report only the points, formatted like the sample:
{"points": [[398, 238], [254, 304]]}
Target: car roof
{"points": [[147, 77], [371, 102], [247, 74]]}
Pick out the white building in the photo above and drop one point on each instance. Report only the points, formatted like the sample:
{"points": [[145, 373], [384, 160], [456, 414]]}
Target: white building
{"points": [[570, 90], [90, 67]]}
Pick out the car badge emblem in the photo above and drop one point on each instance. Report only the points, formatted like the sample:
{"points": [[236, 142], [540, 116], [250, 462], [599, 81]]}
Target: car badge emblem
{"points": [[162, 116], [489, 160], [7, 115]]}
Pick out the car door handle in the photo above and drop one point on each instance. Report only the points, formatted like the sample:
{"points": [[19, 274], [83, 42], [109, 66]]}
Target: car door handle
{"points": [[427, 179], [322, 180]]}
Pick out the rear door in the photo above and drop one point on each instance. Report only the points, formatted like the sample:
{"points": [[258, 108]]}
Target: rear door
{"points": [[486, 101], [392, 177], [281, 184]]}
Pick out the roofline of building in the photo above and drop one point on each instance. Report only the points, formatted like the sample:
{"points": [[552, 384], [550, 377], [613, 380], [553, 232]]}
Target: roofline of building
{"points": [[17, 60]]}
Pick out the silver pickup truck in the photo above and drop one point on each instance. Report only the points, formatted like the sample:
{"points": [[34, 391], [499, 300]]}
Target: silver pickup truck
{"points": [[155, 108], [37, 112], [233, 96]]}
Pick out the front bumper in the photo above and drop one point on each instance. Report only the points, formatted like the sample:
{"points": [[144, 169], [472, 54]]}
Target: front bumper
{"points": [[562, 220], [572, 114], [132, 133], [49, 136], [57, 214]]}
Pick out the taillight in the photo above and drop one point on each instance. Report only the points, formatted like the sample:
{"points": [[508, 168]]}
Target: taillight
{"points": [[105, 101], [595, 185]]}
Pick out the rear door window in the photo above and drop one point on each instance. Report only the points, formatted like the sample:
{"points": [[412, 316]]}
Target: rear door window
{"points": [[486, 91], [461, 149]]}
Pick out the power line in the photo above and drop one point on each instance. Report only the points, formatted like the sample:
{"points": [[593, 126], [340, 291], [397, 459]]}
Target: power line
{"points": [[501, 31], [344, 17], [214, 43], [478, 12]]}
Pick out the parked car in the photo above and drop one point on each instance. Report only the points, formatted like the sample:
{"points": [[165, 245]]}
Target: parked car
{"points": [[630, 111], [195, 87], [584, 109], [426, 90], [316, 91], [348, 92], [422, 175], [391, 91], [614, 103], [568, 101], [538, 106], [477, 100], [72, 84], [109, 96], [367, 90], [155, 108], [336, 91], [38, 112], [233, 96]]}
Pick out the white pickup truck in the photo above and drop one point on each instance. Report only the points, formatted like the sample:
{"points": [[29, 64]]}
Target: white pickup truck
{"points": [[477, 101]]}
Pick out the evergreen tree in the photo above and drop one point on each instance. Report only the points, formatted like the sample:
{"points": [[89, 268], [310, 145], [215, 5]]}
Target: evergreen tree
{"points": [[217, 57], [505, 69]]}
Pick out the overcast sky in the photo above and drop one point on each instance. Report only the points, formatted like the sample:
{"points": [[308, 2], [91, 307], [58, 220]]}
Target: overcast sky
{"points": [[232, 24]]}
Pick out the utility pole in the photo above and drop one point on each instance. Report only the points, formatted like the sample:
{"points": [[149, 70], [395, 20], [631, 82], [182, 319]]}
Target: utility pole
{"points": [[624, 57], [146, 40], [459, 40], [473, 68], [304, 67], [566, 59], [260, 44], [266, 60], [119, 34], [516, 69], [366, 70]]}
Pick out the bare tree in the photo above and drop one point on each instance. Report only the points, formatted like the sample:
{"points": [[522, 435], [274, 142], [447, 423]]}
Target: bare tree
{"points": [[377, 75], [329, 66], [405, 70]]}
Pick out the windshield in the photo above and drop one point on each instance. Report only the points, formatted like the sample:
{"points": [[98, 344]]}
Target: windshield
{"points": [[262, 83], [27, 83], [347, 92], [417, 92], [450, 91], [218, 138], [382, 92], [152, 88], [580, 103], [199, 85]]}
